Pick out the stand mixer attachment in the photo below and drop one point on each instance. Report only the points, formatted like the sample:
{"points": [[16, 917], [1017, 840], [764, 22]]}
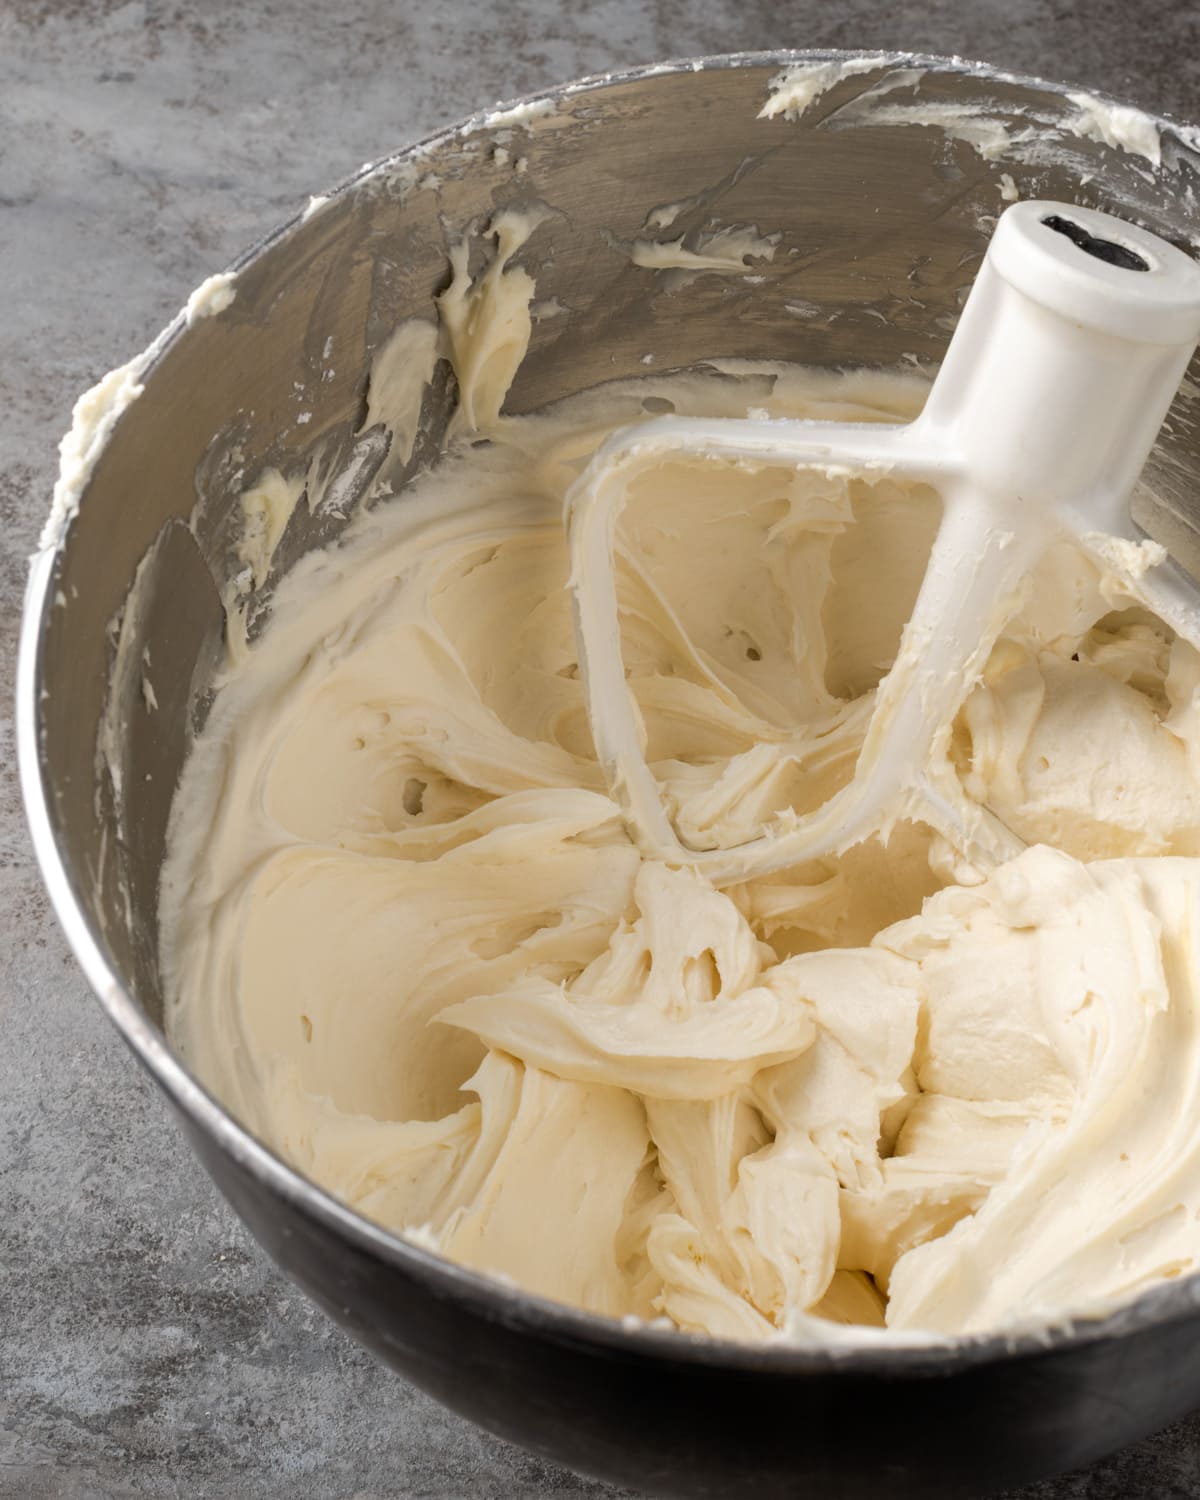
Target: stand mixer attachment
{"points": [[1064, 362]]}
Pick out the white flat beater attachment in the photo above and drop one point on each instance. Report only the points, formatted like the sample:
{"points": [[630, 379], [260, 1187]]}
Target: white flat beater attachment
{"points": [[1067, 355]]}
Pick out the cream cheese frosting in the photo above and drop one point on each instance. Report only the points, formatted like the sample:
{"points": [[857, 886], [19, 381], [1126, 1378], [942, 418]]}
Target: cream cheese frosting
{"points": [[408, 940]]}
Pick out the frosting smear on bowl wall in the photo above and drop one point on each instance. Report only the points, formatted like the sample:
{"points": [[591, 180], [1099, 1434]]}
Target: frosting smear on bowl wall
{"points": [[890, 1092]]}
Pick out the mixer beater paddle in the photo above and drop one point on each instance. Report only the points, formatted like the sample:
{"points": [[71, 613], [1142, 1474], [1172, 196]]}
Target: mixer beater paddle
{"points": [[1067, 355]]}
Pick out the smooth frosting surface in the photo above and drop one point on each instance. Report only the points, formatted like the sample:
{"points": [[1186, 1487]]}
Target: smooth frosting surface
{"points": [[409, 942]]}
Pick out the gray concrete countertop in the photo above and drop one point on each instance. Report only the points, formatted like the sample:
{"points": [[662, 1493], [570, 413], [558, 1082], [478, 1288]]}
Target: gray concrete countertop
{"points": [[146, 1345]]}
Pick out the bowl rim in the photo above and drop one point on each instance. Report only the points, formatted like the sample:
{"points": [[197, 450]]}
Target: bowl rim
{"points": [[487, 1296]]}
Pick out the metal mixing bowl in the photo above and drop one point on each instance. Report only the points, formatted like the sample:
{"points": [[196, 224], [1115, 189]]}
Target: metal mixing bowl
{"points": [[883, 222]]}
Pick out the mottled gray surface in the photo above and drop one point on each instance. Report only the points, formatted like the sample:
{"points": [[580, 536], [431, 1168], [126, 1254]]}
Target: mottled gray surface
{"points": [[146, 1347]]}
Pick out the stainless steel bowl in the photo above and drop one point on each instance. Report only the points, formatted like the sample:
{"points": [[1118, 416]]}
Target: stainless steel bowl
{"points": [[883, 222]]}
